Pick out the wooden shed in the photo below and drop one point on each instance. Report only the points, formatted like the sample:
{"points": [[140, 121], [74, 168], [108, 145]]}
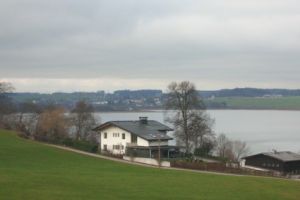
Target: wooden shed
{"points": [[285, 162]]}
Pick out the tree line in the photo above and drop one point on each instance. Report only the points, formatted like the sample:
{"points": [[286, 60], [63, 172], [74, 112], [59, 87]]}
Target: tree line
{"points": [[193, 127], [50, 123]]}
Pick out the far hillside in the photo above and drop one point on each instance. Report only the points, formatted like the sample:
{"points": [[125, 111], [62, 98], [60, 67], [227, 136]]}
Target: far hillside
{"points": [[259, 103], [249, 92], [137, 100]]}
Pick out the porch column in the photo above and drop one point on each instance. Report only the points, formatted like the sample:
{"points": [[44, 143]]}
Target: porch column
{"points": [[168, 153], [150, 152]]}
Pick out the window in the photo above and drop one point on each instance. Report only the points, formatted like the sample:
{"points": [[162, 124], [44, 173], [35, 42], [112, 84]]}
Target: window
{"points": [[105, 135], [105, 147], [116, 147], [123, 136], [116, 135], [133, 139]]}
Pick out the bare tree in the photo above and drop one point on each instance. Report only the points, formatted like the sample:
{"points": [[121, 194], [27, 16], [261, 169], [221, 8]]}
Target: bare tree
{"points": [[83, 120], [224, 146], [52, 125], [207, 146], [183, 98], [28, 114], [231, 150], [239, 149], [200, 127], [9, 121], [6, 87], [6, 105]]}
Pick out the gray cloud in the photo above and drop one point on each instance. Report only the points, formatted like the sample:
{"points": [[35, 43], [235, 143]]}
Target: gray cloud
{"points": [[215, 43]]}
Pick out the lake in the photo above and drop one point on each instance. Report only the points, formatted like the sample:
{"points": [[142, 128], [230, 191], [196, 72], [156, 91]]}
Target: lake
{"points": [[263, 130]]}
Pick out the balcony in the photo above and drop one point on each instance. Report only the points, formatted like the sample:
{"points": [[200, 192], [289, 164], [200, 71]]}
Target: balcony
{"points": [[131, 144]]}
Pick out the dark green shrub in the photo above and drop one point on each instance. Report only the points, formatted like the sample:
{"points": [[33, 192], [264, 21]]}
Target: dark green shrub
{"points": [[81, 145]]}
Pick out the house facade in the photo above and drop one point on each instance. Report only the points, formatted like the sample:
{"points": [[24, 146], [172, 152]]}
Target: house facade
{"points": [[139, 138]]}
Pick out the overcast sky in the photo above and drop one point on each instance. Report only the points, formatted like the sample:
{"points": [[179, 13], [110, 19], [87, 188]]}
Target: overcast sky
{"points": [[76, 45]]}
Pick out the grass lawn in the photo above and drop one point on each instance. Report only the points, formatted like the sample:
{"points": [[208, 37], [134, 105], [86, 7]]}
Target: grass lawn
{"points": [[30, 170]]}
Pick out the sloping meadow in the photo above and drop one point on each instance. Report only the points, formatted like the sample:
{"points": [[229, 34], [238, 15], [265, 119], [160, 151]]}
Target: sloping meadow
{"points": [[31, 170]]}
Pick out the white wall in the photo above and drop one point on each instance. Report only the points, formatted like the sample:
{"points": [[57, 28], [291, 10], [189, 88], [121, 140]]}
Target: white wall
{"points": [[142, 142], [149, 161], [110, 140]]}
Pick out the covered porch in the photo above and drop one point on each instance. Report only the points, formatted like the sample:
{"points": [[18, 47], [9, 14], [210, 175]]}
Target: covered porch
{"points": [[166, 152]]}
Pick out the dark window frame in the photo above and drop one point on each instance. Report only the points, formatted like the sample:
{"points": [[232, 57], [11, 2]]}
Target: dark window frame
{"points": [[133, 139]]}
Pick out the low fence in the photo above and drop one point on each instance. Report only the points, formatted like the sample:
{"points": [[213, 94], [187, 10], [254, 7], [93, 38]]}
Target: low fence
{"points": [[218, 167], [148, 161], [110, 154]]}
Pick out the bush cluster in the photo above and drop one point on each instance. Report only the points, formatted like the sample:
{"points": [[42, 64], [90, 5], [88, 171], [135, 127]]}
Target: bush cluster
{"points": [[81, 145]]}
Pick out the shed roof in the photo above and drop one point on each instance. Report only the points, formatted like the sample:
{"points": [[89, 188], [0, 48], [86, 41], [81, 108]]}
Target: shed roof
{"points": [[152, 130], [285, 156]]}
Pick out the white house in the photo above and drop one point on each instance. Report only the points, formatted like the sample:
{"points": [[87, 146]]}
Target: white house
{"points": [[140, 138]]}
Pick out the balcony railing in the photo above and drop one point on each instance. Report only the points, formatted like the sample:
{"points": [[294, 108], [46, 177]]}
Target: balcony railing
{"points": [[131, 144]]}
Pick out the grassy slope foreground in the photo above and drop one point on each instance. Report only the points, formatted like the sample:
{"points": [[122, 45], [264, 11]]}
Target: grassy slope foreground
{"points": [[29, 170]]}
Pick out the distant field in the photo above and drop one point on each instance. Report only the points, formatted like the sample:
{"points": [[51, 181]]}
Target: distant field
{"points": [[30, 170], [284, 103]]}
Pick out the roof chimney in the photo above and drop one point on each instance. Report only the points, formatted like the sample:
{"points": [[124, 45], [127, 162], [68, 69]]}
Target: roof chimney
{"points": [[144, 120], [275, 151]]}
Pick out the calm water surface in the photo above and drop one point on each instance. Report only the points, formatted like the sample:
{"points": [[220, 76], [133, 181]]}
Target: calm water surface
{"points": [[262, 130]]}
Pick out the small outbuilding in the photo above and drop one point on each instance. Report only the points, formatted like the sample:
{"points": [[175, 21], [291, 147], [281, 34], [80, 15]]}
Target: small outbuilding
{"points": [[285, 162]]}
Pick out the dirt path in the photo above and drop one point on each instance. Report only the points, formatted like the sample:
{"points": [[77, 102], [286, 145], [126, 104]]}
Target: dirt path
{"points": [[151, 166], [99, 156], [135, 163]]}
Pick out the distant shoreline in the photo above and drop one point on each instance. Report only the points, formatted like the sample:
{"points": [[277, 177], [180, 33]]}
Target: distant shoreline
{"points": [[214, 109]]}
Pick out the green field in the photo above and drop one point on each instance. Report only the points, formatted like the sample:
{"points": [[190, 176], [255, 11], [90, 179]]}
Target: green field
{"points": [[282, 103], [30, 170]]}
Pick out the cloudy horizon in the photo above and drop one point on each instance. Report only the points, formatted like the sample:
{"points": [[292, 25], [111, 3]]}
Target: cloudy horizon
{"points": [[72, 45]]}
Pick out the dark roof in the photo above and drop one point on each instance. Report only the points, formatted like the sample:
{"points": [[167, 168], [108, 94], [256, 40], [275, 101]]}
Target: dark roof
{"points": [[152, 130], [284, 156]]}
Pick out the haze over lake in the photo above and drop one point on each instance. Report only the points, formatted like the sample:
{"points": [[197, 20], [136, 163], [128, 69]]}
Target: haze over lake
{"points": [[263, 130]]}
